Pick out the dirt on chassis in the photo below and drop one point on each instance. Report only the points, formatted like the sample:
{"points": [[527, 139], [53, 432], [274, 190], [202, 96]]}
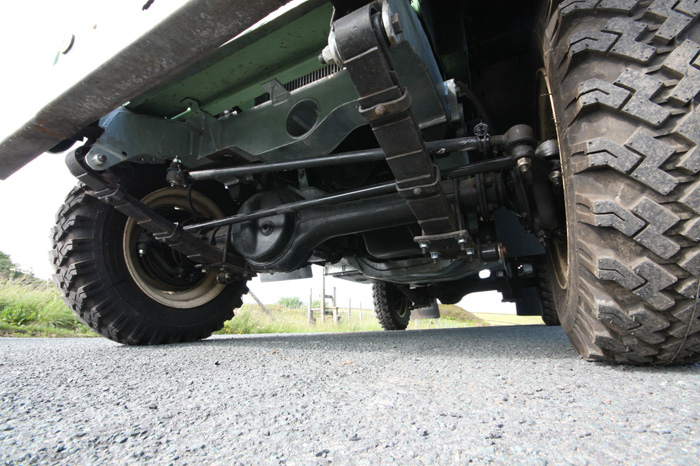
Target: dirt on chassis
{"points": [[412, 145]]}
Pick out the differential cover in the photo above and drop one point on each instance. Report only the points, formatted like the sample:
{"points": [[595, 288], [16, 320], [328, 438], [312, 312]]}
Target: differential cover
{"points": [[262, 240]]}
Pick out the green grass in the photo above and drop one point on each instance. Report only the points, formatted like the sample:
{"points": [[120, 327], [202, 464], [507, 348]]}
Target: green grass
{"points": [[509, 319], [33, 308], [251, 319]]}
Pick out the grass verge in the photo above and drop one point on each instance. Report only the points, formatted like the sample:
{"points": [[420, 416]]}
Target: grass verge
{"points": [[509, 319], [251, 319], [35, 309]]}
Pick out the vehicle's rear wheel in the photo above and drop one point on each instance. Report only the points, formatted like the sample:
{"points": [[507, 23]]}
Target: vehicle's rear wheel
{"points": [[125, 285], [391, 306], [624, 77]]}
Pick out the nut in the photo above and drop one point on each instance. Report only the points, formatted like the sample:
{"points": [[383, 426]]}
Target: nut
{"points": [[98, 159], [396, 24], [524, 164], [555, 177], [423, 247]]}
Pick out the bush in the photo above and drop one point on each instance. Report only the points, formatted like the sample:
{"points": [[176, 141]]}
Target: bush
{"points": [[290, 303], [18, 315], [28, 301]]}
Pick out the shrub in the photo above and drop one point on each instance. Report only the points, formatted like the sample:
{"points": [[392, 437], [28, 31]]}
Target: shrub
{"points": [[290, 303], [29, 300], [18, 315]]}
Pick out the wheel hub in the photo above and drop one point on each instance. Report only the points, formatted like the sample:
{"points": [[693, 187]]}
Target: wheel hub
{"points": [[165, 275]]}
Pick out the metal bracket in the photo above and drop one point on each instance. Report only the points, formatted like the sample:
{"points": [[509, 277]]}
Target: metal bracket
{"points": [[278, 94], [452, 242]]}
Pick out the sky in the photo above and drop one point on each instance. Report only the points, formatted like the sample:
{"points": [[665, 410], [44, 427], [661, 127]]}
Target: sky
{"points": [[31, 197]]}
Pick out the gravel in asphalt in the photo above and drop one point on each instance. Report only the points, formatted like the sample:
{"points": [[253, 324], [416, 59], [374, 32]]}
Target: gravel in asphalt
{"points": [[501, 395]]}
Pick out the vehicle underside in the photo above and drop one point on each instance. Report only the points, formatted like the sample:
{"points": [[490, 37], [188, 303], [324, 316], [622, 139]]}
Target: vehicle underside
{"points": [[414, 146]]}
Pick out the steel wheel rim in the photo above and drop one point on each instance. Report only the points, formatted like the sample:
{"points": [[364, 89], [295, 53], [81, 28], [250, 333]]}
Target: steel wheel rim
{"points": [[547, 129], [201, 288]]}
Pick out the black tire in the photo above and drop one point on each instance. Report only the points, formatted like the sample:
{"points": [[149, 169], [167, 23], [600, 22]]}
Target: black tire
{"points": [[538, 300], [544, 289], [391, 307], [126, 297], [624, 80]]}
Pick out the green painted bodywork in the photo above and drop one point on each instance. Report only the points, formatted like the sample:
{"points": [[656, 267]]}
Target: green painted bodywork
{"points": [[283, 49], [185, 117]]}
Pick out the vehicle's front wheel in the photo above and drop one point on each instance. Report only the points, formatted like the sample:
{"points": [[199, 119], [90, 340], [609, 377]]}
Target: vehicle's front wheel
{"points": [[624, 81], [128, 287]]}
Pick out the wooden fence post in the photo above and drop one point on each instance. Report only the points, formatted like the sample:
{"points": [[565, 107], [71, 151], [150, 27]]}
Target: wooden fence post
{"points": [[310, 315], [264, 308], [335, 308], [323, 298]]}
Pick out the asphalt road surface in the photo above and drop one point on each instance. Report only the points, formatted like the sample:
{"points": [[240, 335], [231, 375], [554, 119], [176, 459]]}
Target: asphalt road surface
{"points": [[502, 395]]}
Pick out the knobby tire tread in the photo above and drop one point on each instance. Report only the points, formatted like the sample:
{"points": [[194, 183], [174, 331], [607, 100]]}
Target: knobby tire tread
{"points": [[625, 79], [387, 298]]}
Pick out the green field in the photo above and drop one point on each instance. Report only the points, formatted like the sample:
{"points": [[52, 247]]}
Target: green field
{"points": [[251, 319], [509, 319], [33, 308]]}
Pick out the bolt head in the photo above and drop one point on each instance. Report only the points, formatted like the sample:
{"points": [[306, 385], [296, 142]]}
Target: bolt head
{"points": [[481, 130], [380, 110]]}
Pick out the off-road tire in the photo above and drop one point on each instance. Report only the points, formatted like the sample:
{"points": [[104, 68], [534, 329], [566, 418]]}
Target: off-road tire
{"points": [[624, 77], [538, 300], [544, 290], [90, 270], [391, 307]]}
